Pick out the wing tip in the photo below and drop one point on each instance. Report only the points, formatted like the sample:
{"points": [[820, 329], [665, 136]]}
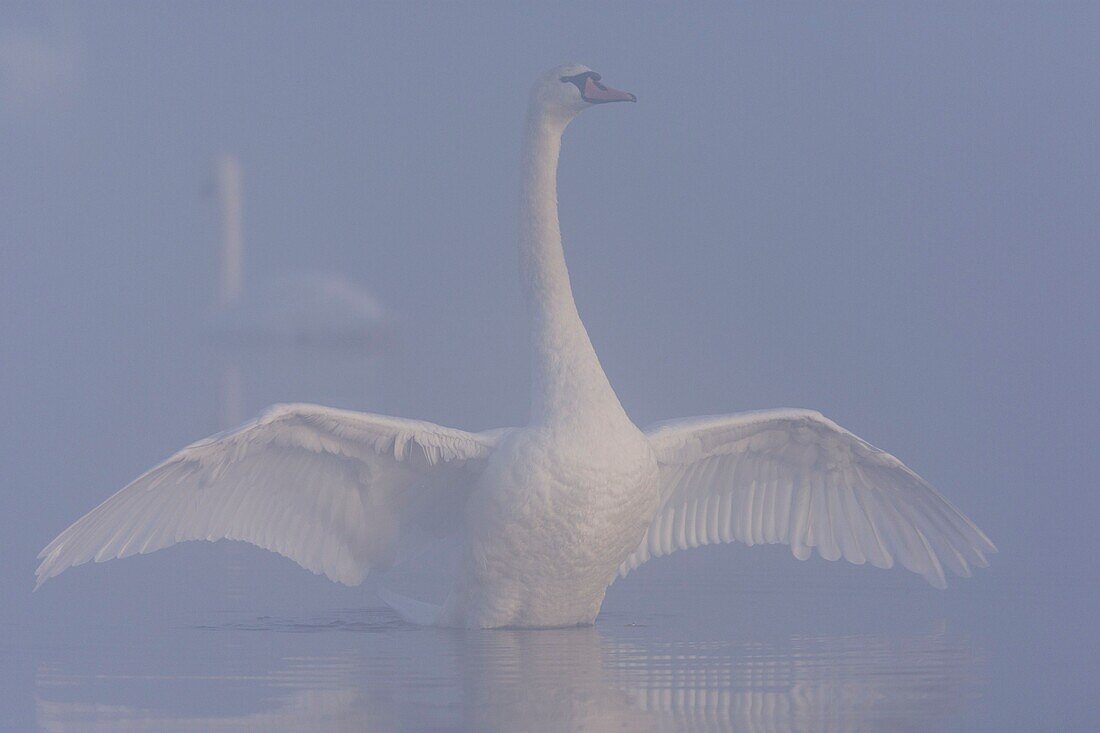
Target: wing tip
{"points": [[44, 572], [989, 546]]}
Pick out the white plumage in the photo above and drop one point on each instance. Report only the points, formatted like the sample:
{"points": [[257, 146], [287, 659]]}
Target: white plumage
{"points": [[326, 488], [797, 478], [547, 514]]}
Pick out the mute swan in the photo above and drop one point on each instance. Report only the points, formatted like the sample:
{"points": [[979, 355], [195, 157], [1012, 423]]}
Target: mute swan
{"points": [[302, 308], [548, 514]]}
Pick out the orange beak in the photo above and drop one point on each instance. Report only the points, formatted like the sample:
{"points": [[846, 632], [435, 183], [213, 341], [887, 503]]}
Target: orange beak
{"points": [[598, 93]]}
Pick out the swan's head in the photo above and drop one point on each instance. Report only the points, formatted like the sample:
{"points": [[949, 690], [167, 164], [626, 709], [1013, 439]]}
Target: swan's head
{"points": [[566, 90]]}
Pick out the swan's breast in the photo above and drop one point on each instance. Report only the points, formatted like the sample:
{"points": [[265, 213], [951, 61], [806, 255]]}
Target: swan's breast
{"points": [[557, 510]]}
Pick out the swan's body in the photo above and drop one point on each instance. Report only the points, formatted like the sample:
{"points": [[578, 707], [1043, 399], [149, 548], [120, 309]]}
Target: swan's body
{"points": [[554, 513], [546, 514]]}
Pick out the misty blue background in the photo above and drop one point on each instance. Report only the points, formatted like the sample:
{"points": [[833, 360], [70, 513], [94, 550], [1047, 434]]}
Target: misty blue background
{"points": [[885, 212]]}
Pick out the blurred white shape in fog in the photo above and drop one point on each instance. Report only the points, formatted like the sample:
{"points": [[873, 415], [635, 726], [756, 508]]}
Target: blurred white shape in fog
{"points": [[231, 265], [310, 308], [314, 309]]}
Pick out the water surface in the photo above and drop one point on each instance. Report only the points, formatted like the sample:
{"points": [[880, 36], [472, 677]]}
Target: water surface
{"points": [[364, 669]]}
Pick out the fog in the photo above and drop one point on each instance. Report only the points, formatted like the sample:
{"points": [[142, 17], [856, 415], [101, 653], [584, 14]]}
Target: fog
{"points": [[883, 212]]}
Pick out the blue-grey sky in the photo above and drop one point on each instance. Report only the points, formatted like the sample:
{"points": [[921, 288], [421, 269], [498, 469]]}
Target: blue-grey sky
{"points": [[887, 212]]}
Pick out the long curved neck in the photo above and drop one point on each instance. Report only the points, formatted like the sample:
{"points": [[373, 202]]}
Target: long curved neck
{"points": [[569, 383]]}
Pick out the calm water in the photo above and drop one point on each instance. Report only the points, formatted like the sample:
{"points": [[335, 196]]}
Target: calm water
{"points": [[819, 651], [366, 670]]}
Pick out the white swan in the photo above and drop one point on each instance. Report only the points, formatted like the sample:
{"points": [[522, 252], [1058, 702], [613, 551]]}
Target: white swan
{"points": [[548, 514], [314, 308]]}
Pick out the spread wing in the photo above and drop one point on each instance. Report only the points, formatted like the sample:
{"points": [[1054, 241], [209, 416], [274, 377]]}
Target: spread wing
{"points": [[795, 477], [330, 489]]}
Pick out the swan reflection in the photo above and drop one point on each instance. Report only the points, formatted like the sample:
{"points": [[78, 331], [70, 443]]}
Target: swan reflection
{"points": [[379, 675]]}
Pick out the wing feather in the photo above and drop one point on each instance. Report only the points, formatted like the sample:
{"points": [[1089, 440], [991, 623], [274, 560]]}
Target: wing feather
{"points": [[329, 489], [796, 477]]}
